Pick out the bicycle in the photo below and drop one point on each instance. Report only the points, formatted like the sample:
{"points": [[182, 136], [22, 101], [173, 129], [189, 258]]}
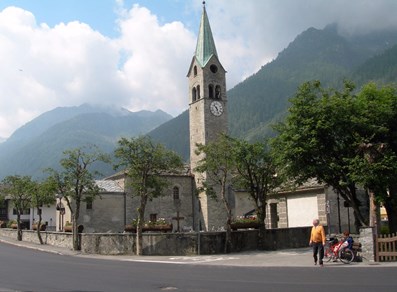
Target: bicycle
{"points": [[333, 250]]}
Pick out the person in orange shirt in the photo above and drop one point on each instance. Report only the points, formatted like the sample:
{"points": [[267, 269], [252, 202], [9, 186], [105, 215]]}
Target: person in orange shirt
{"points": [[317, 241]]}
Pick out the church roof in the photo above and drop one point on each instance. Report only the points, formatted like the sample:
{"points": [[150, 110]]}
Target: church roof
{"points": [[109, 186], [205, 47]]}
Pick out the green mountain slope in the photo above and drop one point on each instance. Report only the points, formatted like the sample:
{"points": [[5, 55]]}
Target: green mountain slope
{"points": [[381, 68], [262, 99], [28, 154], [174, 134]]}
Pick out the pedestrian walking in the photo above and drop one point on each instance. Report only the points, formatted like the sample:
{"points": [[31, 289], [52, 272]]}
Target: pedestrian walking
{"points": [[317, 242]]}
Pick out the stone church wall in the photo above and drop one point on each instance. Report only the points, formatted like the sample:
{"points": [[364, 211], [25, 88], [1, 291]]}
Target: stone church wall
{"points": [[191, 243], [112, 211], [166, 207]]}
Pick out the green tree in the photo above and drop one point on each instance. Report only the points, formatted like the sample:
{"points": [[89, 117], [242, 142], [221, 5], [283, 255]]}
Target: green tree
{"points": [[146, 163], [375, 166], [256, 173], [318, 140], [76, 181], [42, 194], [19, 189], [218, 164]]}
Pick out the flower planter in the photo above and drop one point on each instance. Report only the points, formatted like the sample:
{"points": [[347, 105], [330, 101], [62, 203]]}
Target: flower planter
{"points": [[3, 224], [14, 226], [159, 228], [148, 228], [245, 225], [130, 228], [42, 227], [68, 228]]}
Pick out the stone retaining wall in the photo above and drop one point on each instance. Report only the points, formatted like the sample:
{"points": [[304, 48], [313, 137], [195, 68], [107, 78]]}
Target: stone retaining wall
{"points": [[61, 239], [191, 243]]}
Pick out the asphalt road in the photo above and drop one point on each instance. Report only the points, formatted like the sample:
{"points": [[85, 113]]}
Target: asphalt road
{"points": [[24, 269]]}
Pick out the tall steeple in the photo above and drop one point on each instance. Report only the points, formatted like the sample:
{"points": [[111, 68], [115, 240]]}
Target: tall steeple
{"points": [[205, 47], [207, 118]]}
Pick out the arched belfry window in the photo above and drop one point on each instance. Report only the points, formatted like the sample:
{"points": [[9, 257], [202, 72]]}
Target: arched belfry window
{"points": [[218, 92], [198, 92], [195, 70], [194, 96], [175, 193], [211, 91]]}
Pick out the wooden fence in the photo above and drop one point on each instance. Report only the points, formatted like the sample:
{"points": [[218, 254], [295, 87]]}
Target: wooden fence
{"points": [[386, 250]]}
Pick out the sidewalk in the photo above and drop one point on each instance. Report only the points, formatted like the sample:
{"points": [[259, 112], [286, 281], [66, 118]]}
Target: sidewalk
{"points": [[301, 257]]}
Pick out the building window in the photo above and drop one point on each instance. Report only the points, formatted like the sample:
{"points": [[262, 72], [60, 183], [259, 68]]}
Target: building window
{"points": [[89, 204], [195, 70], [23, 212], [198, 91], [213, 68], [218, 92], [153, 217], [175, 193], [211, 91], [194, 97]]}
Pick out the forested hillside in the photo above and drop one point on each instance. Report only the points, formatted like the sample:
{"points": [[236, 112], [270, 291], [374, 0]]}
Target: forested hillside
{"points": [[40, 143], [381, 68], [262, 99]]}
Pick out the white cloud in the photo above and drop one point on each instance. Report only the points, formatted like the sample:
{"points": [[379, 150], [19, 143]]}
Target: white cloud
{"points": [[70, 64], [157, 62], [43, 67]]}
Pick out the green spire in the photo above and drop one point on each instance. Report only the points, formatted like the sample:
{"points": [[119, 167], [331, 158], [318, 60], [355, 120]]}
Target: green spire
{"points": [[205, 43]]}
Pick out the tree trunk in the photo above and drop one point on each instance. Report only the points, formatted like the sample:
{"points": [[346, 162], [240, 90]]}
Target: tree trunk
{"points": [[38, 229], [350, 195], [141, 220], [373, 212], [75, 231], [261, 213], [19, 229], [228, 240], [75, 234], [391, 209]]}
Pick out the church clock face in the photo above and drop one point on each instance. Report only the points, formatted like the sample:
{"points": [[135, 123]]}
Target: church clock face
{"points": [[216, 108]]}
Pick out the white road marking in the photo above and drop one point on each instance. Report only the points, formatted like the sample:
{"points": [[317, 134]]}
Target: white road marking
{"points": [[183, 260]]}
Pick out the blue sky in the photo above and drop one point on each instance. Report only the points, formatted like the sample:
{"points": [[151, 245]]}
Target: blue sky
{"points": [[101, 15], [135, 54]]}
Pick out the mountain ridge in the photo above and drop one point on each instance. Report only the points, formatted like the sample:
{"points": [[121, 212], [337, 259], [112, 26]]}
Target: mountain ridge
{"points": [[33, 148]]}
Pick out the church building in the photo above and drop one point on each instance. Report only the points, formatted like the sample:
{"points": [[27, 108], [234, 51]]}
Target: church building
{"points": [[181, 204]]}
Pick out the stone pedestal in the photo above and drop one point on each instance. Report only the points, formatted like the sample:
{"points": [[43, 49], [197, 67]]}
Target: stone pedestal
{"points": [[367, 243]]}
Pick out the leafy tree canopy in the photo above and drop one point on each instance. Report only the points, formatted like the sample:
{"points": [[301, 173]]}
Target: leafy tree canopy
{"points": [[343, 139], [145, 164]]}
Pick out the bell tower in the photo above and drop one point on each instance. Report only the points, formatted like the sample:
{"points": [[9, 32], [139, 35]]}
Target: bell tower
{"points": [[207, 113]]}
